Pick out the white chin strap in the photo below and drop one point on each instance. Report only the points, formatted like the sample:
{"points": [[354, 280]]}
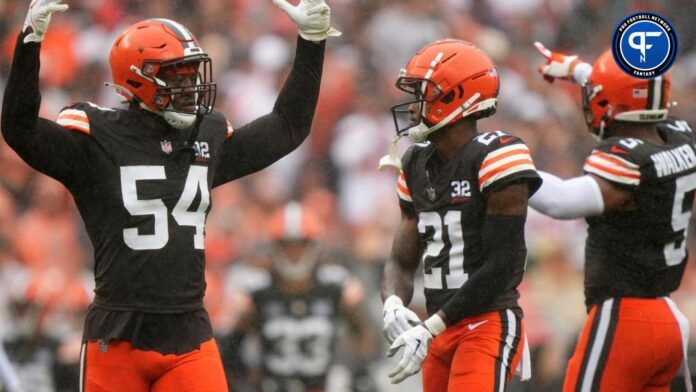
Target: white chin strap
{"points": [[180, 121], [177, 120], [421, 131]]}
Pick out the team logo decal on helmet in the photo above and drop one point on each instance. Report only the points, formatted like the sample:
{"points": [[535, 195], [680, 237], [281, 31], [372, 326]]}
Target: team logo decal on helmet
{"points": [[645, 45], [152, 52]]}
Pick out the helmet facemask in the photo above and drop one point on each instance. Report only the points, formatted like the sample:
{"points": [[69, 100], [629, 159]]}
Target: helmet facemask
{"points": [[185, 89], [420, 89], [295, 259]]}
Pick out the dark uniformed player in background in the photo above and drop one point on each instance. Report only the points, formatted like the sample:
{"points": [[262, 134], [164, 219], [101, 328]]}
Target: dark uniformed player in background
{"points": [[463, 198], [297, 307], [141, 179], [637, 195]]}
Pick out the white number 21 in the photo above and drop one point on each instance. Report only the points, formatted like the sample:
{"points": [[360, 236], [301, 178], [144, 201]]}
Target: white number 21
{"points": [[197, 179]]}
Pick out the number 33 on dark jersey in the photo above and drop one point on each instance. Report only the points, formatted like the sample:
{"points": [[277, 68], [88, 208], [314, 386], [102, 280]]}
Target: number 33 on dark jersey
{"points": [[449, 201]]}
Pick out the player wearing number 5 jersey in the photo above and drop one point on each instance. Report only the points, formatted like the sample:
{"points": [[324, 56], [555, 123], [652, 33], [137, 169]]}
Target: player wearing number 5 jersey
{"points": [[141, 179], [637, 195], [463, 198]]}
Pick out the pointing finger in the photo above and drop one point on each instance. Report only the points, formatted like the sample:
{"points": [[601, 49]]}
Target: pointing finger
{"points": [[542, 49], [285, 6]]}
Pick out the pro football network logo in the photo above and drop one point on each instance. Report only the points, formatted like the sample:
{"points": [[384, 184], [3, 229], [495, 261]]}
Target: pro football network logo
{"points": [[645, 45]]}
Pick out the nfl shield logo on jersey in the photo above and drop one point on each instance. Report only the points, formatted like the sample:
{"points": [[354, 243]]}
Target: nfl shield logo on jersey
{"points": [[166, 146]]}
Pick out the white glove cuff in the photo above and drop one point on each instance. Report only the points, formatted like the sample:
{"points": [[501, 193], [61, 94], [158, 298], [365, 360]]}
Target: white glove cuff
{"points": [[435, 324], [581, 72], [392, 302]]}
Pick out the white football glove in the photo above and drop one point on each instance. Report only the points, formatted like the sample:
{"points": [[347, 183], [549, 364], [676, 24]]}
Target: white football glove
{"points": [[39, 16], [312, 17], [557, 66], [397, 318], [415, 342]]}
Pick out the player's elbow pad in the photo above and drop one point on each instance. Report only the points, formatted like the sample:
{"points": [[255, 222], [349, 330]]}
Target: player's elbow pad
{"points": [[570, 199]]}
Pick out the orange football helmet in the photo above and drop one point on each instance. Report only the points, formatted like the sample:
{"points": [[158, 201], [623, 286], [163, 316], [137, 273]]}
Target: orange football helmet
{"points": [[294, 230], [294, 222], [151, 52], [451, 79], [611, 94]]}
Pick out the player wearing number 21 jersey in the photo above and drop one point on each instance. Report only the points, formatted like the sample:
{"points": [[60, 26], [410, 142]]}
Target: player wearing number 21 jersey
{"points": [[141, 178], [637, 195], [463, 198]]}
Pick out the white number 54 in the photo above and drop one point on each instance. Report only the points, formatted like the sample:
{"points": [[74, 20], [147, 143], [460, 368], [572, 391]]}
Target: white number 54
{"points": [[197, 179]]}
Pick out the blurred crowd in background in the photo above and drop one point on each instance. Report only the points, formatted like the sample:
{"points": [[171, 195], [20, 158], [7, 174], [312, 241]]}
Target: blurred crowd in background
{"points": [[45, 256]]}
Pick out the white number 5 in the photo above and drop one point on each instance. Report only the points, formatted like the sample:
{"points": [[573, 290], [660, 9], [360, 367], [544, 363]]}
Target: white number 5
{"points": [[197, 179], [674, 255]]}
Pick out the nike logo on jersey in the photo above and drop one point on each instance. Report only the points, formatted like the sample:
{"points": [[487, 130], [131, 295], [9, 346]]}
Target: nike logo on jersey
{"points": [[505, 140], [616, 150], [473, 326]]}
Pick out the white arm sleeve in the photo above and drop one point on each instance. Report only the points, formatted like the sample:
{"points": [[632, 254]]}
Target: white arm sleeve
{"points": [[581, 72], [567, 199]]}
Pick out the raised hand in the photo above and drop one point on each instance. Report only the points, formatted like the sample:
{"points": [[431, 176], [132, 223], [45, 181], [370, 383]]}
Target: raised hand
{"points": [[39, 17], [312, 17], [557, 66]]}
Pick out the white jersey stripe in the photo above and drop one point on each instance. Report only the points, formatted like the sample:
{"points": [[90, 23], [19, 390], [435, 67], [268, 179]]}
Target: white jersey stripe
{"points": [[404, 196], [507, 172], [597, 160], [500, 151], [601, 154], [611, 176], [80, 125], [73, 112], [504, 161], [596, 349]]}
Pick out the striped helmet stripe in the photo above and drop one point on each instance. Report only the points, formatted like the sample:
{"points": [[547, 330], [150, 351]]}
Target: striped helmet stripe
{"points": [[182, 33], [293, 220], [657, 96]]}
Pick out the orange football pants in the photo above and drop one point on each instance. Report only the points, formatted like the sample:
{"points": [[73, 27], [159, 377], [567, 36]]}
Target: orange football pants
{"points": [[628, 344], [478, 354], [122, 368]]}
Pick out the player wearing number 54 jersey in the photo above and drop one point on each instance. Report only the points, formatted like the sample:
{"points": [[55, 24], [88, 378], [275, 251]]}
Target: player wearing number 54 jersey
{"points": [[141, 178], [637, 195], [463, 198]]}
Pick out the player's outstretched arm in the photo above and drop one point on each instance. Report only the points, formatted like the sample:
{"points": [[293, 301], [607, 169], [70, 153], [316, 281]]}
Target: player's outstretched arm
{"points": [[267, 139], [578, 197], [43, 144], [567, 199], [504, 253], [561, 66]]}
